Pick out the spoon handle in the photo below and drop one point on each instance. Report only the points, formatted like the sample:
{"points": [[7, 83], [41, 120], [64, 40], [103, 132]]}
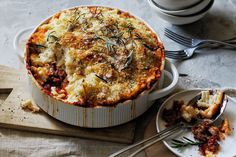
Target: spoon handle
{"points": [[153, 142], [159, 136]]}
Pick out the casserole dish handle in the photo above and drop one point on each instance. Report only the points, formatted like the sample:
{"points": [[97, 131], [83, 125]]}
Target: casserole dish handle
{"points": [[171, 72], [20, 41]]}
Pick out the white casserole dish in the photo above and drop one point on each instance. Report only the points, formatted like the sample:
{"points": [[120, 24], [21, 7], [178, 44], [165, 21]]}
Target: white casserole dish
{"points": [[101, 116]]}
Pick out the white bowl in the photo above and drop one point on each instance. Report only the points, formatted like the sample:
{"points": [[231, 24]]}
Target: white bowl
{"points": [[188, 11], [181, 20], [176, 4]]}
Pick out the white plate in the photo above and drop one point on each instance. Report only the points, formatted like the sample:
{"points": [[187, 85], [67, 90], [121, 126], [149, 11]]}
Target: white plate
{"points": [[227, 146]]}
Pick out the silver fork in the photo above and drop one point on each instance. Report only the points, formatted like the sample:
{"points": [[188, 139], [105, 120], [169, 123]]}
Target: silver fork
{"points": [[156, 138], [183, 54], [189, 42]]}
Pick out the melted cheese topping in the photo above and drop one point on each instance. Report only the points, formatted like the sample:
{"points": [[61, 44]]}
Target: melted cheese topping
{"points": [[94, 56]]}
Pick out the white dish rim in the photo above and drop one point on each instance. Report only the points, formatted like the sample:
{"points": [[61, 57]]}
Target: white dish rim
{"points": [[199, 7], [203, 11]]}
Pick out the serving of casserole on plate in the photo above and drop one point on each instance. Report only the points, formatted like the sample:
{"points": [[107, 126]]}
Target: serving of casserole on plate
{"points": [[206, 139], [96, 59]]}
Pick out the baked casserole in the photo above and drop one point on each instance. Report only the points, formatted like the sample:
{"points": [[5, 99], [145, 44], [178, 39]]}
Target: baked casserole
{"points": [[94, 56]]}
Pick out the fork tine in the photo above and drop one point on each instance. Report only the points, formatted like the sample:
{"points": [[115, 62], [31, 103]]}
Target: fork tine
{"points": [[179, 53], [177, 35], [175, 57], [179, 56], [178, 38], [182, 42]]}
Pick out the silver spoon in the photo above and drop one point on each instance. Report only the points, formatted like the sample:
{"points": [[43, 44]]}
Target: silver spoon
{"points": [[169, 131], [220, 112]]}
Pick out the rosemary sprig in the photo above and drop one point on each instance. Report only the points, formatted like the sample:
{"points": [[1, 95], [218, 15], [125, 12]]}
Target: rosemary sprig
{"points": [[108, 42], [138, 37], [36, 48], [184, 143], [98, 15], [149, 47], [117, 36], [129, 60], [104, 31], [112, 37], [52, 38], [40, 46], [110, 45], [97, 36], [133, 43], [74, 22], [80, 16], [101, 78], [115, 25], [130, 29]]}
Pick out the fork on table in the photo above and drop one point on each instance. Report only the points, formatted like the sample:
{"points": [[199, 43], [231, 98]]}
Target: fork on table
{"points": [[194, 44], [182, 54]]}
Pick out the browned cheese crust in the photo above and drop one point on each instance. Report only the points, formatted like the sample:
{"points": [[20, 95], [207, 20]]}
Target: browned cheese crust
{"points": [[94, 56]]}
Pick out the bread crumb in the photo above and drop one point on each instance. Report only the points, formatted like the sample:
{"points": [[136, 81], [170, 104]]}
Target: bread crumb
{"points": [[210, 101], [188, 113], [29, 105], [209, 154], [225, 127]]}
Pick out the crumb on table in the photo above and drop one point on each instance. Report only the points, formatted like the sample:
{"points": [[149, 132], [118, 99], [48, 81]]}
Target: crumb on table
{"points": [[29, 105]]}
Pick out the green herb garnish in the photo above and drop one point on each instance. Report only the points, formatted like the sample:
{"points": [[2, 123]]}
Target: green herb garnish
{"points": [[184, 143], [130, 29], [74, 22], [129, 60], [80, 16], [117, 36], [101, 78], [36, 48], [40, 46], [110, 45], [52, 38], [149, 47], [97, 36]]}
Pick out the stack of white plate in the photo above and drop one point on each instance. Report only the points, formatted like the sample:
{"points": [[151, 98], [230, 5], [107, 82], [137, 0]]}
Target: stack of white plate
{"points": [[181, 12]]}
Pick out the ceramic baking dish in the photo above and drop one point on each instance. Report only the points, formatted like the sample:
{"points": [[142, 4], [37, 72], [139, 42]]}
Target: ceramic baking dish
{"points": [[100, 116]]}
